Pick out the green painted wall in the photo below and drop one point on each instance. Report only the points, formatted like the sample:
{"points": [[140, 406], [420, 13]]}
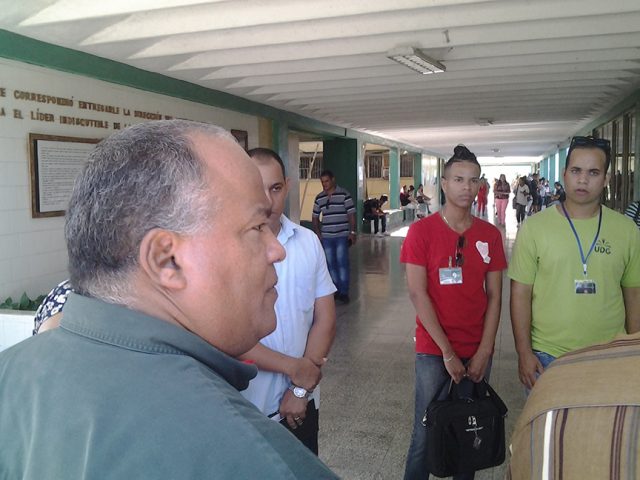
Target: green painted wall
{"points": [[561, 164], [544, 170], [340, 155]]}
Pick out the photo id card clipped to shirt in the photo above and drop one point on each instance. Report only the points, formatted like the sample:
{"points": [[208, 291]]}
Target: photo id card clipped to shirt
{"points": [[585, 287], [450, 275]]}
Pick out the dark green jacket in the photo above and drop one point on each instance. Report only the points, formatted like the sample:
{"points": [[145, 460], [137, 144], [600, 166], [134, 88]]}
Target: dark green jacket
{"points": [[116, 394]]}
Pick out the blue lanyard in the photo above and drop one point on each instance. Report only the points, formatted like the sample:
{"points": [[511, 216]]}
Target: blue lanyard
{"points": [[593, 244]]}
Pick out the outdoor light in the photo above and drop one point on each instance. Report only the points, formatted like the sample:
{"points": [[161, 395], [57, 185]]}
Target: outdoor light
{"points": [[416, 60]]}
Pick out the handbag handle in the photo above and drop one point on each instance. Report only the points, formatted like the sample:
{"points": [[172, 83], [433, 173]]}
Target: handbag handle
{"points": [[480, 389], [497, 401]]}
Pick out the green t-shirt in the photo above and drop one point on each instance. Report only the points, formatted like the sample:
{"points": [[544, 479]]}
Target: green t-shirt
{"points": [[546, 255]]}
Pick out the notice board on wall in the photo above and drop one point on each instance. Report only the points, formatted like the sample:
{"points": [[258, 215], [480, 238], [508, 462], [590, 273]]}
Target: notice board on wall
{"points": [[55, 162]]}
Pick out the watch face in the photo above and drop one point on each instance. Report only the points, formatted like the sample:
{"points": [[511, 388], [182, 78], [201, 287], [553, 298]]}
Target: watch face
{"points": [[299, 392]]}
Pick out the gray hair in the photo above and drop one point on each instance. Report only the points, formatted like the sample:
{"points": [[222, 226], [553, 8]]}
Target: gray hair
{"points": [[144, 177]]}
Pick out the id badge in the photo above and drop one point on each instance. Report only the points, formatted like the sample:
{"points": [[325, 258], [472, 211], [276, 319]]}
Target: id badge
{"points": [[450, 276], [585, 287]]}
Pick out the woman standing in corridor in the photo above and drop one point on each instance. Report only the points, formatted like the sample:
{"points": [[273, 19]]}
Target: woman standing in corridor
{"points": [[501, 194]]}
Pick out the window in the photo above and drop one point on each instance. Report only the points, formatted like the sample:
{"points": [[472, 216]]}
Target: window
{"points": [[375, 165], [305, 164], [406, 165]]}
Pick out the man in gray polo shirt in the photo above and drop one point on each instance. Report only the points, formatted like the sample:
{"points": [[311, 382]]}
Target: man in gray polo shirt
{"points": [[337, 231], [174, 277]]}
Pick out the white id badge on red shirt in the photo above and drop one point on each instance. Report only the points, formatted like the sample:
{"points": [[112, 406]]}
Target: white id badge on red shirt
{"points": [[450, 276]]}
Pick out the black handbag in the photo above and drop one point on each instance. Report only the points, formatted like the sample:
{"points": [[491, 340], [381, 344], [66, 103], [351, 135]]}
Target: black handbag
{"points": [[465, 434]]}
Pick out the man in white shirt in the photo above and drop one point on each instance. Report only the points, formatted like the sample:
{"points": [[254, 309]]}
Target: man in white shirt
{"points": [[290, 359]]}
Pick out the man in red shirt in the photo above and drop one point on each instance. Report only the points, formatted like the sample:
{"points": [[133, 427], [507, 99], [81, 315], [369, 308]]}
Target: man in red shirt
{"points": [[454, 265]]}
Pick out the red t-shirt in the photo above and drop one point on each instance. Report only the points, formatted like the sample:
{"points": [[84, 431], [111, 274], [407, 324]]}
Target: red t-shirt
{"points": [[460, 308]]}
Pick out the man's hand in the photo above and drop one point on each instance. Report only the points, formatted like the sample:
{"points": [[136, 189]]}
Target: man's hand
{"points": [[353, 238], [294, 409], [306, 374], [478, 365], [455, 368], [528, 366]]}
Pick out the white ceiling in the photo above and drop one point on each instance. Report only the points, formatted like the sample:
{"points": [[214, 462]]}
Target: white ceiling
{"points": [[522, 75]]}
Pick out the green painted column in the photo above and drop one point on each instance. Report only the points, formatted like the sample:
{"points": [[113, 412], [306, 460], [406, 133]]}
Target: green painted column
{"points": [[344, 158], [280, 140], [417, 169], [562, 164], [394, 178]]}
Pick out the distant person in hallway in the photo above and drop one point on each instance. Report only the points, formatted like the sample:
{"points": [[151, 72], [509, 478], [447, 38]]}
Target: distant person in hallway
{"points": [[404, 196], [575, 269], [533, 185], [482, 197], [581, 419], [542, 193], [522, 197], [423, 202], [558, 195], [291, 357], [633, 212], [501, 195], [373, 213], [174, 277], [454, 264], [334, 221]]}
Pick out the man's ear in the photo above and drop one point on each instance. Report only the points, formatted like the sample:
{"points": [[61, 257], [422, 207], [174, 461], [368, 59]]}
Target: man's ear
{"points": [[158, 259]]}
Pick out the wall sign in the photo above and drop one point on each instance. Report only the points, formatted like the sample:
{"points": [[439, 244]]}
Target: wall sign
{"points": [[54, 164]]}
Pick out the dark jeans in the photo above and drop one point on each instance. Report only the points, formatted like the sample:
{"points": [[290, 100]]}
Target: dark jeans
{"points": [[521, 212], [307, 433], [377, 219]]}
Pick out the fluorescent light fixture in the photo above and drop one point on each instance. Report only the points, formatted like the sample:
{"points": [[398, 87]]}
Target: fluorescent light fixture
{"points": [[416, 60]]}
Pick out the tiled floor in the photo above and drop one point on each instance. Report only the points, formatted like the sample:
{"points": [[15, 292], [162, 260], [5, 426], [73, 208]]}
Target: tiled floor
{"points": [[367, 390]]}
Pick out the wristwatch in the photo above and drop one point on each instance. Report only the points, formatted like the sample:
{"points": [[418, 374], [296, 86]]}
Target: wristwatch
{"points": [[299, 392]]}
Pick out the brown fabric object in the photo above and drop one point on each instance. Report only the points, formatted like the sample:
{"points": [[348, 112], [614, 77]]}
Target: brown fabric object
{"points": [[587, 405]]}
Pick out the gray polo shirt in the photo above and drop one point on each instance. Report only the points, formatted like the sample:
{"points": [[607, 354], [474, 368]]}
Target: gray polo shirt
{"points": [[115, 394]]}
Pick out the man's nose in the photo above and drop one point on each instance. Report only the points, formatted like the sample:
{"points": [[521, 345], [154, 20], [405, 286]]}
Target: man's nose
{"points": [[275, 251]]}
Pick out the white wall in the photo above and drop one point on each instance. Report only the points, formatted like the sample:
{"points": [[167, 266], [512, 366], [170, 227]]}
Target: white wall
{"points": [[33, 256], [15, 326]]}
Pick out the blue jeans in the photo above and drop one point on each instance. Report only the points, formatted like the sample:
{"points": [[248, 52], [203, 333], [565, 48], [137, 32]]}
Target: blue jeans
{"points": [[336, 250], [430, 375], [545, 359]]}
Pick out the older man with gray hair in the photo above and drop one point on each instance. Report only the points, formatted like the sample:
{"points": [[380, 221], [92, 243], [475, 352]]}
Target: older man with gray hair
{"points": [[174, 277]]}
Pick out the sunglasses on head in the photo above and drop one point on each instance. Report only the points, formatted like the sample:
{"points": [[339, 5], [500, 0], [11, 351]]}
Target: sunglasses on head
{"points": [[601, 143]]}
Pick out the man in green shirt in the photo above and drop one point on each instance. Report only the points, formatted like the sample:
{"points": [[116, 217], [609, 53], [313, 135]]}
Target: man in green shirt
{"points": [[174, 277], [575, 269]]}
